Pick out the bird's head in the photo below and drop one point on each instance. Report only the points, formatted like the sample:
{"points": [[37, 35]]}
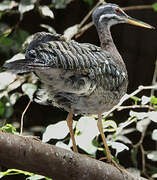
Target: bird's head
{"points": [[110, 14]]}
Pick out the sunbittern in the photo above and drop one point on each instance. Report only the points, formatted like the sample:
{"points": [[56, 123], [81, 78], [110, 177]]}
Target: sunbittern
{"points": [[80, 77]]}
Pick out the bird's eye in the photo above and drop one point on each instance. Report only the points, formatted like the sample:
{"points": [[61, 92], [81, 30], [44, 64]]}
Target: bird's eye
{"points": [[117, 10]]}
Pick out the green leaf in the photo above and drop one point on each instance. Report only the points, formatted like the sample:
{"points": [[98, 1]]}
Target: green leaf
{"points": [[19, 36], [139, 115], [46, 11], [49, 28], [109, 125], [154, 135], [17, 171], [37, 177], [2, 108], [29, 89], [90, 2], [155, 6], [95, 142], [16, 57], [87, 127], [145, 100], [56, 131], [6, 78], [5, 29], [14, 97], [152, 155], [6, 32], [119, 147], [153, 116], [141, 125], [136, 99], [123, 139], [153, 100], [6, 41], [7, 4], [14, 172], [8, 111], [154, 175], [13, 42], [60, 4], [26, 5], [9, 129]]}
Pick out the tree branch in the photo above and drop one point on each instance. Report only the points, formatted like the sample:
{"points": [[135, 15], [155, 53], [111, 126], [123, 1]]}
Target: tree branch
{"points": [[28, 154], [138, 7]]}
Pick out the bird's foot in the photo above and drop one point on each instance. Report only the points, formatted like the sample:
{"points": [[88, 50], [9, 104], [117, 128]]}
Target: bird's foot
{"points": [[116, 165], [113, 162]]}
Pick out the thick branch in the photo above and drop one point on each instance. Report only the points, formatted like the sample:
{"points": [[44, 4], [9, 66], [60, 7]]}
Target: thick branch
{"points": [[28, 154]]}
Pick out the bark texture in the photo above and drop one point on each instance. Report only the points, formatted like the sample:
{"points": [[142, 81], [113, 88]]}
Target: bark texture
{"points": [[28, 154]]}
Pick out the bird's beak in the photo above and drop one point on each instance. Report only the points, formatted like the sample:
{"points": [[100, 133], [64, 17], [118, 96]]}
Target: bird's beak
{"points": [[136, 22]]}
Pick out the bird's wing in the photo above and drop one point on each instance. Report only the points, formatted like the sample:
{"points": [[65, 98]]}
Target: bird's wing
{"points": [[83, 59]]}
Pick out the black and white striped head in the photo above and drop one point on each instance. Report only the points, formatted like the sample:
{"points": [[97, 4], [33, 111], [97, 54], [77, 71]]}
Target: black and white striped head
{"points": [[110, 14]]}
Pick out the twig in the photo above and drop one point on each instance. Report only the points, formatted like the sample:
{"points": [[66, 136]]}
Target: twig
{"points": [[125, 124], [142, 137], [126, 97], [154, 78], [134, 107], [83, 29], [139, 144], [140, 7], [143, 159], [89, 13], [144, 163], [22, 116]]}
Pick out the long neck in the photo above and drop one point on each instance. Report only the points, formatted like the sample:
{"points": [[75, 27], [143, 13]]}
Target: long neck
{"points": [[107, 41]]}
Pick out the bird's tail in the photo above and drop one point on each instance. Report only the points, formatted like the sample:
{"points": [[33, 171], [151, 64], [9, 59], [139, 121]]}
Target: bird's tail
{"points": [[19, 66]]}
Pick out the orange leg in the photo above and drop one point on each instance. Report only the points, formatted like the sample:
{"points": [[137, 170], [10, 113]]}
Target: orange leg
{"points": [[70, 125], [100, 127]]}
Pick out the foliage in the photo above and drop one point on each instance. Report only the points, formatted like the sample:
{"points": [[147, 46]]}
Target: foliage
{"points": [[9, 129], [155, 6], [30, 176], [90, 2], [60, 4]]}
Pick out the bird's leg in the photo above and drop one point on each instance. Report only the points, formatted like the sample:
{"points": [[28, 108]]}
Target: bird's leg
{"points": [[70, 125], [100, 127], [108, 154]]}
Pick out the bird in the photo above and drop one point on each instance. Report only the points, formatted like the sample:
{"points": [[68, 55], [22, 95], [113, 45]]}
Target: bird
{"points": [[81, 78]]}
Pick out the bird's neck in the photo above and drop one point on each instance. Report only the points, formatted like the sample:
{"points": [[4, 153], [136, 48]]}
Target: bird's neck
{"points": [[107, 41]]}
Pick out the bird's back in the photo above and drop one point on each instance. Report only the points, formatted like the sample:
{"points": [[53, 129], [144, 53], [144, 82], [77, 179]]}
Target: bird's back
{"points": [[77, 76]]}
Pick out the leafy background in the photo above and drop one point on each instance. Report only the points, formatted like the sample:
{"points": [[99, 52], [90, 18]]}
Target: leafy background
{"points": [[131, 131]]}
